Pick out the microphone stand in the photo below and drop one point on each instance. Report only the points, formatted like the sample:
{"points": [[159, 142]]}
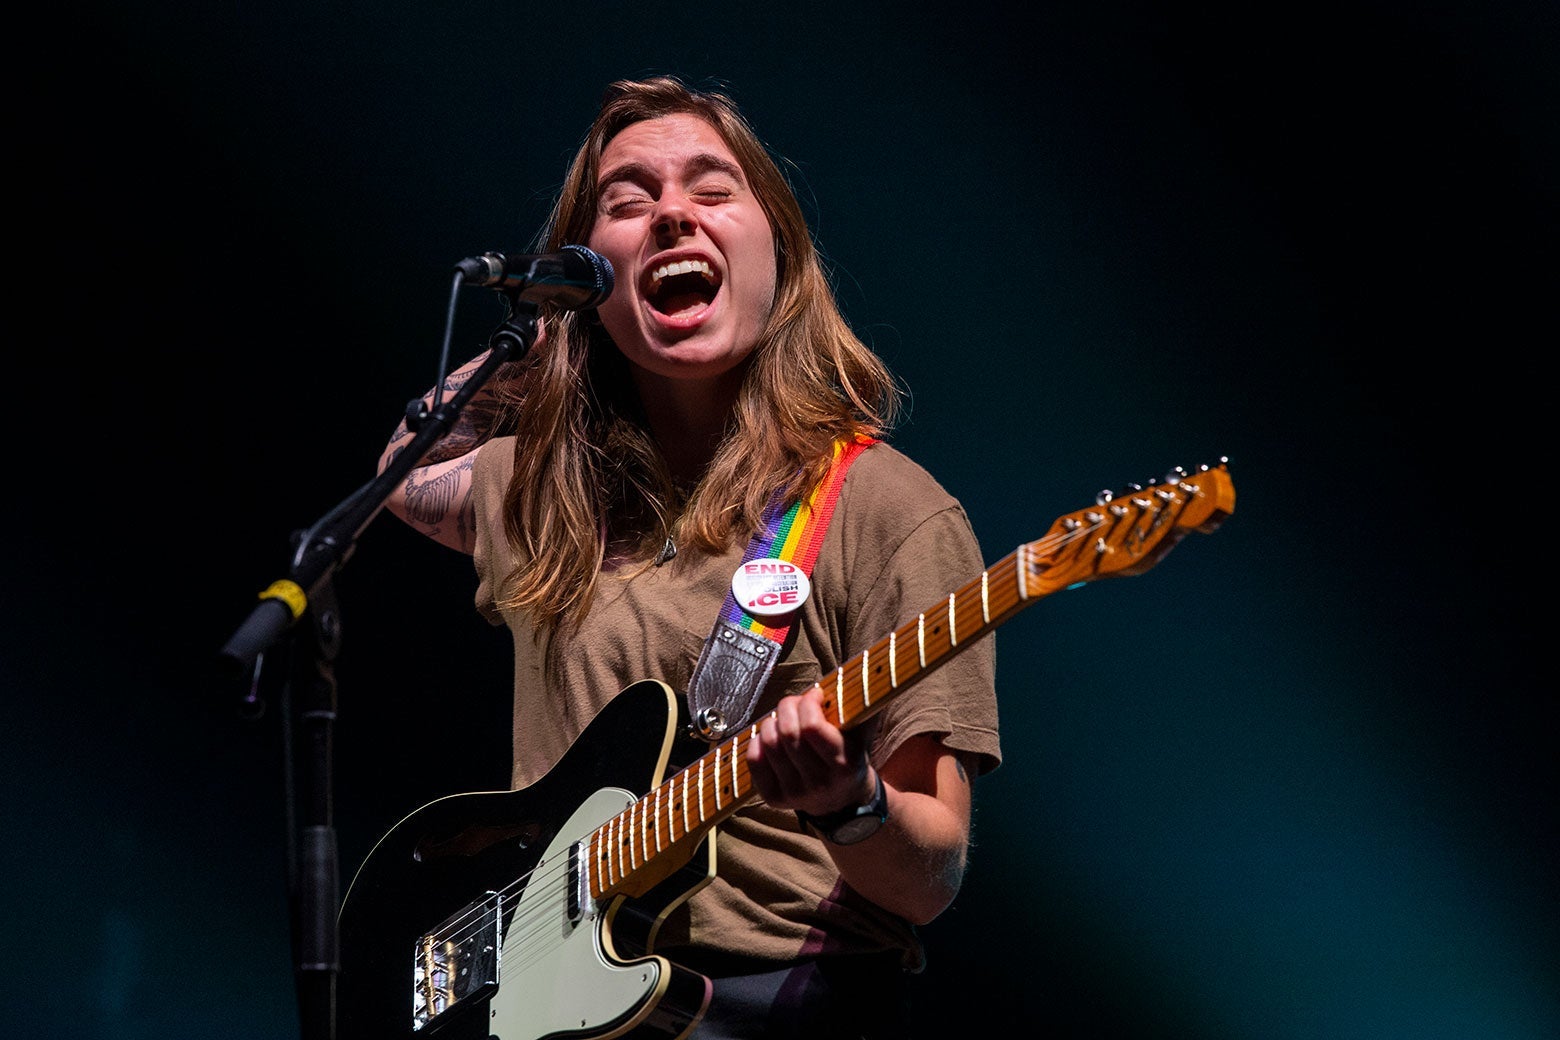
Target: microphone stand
{"points": [[319, 553]]}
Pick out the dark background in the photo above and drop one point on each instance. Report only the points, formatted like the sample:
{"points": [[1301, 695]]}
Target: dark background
{"points": [[1297, 781]]}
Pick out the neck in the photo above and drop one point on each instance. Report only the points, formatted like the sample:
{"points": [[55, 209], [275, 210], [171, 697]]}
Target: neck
{"points": [[688, 418]]}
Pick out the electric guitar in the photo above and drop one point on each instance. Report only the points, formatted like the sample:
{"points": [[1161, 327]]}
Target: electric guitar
{"points": [[531, 914]]}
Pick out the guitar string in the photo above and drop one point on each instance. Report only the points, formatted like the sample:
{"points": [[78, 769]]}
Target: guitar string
{"points": [[1002, 577], [1005, 573], [521, 928]]}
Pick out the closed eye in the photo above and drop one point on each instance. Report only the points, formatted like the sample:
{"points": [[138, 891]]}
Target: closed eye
{"points": [[621, 205], [627, 205]]}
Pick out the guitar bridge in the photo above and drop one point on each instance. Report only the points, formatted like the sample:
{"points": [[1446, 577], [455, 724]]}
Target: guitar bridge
{"points": [[457, 961]]}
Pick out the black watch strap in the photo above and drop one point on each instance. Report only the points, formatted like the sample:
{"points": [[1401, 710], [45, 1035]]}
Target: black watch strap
{"points": [[853, 823]]}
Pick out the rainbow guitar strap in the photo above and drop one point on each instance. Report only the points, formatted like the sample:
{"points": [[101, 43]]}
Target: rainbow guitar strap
{"points": [[770, 585]]}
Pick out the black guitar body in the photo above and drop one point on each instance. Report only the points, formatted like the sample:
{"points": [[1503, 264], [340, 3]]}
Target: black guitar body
{"points": [[421, 918]]}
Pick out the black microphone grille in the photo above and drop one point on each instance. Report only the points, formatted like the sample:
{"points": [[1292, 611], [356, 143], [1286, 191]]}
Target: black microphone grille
{"points": [[600, 273]]}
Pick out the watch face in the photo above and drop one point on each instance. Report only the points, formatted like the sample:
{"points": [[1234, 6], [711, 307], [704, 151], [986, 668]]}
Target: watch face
{"points": [[859, 829], [859, 824]]}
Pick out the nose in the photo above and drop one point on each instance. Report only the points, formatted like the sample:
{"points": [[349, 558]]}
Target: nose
{"points": [[674, 219]]}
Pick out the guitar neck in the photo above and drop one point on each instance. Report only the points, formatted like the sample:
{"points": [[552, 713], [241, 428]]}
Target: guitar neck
{"points": [[645, 843]]}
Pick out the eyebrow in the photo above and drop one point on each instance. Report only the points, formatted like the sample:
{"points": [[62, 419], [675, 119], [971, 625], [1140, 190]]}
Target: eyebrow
{"points": [[702, 163]]}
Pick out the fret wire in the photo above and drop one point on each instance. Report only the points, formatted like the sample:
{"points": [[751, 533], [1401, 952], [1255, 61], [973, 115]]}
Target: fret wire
{"points": [[702, 817], [733, 756], [604, 856], [953, 622], [616, 873], [644, 832], [625, 842], [595, 860], [628, 837], [866, 690], [893, 663]]}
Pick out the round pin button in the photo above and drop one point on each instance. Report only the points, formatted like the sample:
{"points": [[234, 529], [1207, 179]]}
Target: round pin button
{"points": [[769, 587]]}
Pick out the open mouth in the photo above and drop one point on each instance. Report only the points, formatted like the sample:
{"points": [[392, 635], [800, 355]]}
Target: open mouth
{"points": [[682, 287]]}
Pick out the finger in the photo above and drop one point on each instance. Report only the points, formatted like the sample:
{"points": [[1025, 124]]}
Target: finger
{"points": [[769, 763], [762, 774], [789, 768], [821, 736], [814, 747]]}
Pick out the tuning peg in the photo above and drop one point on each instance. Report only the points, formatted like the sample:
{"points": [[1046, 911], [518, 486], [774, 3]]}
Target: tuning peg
{"points": [[1176, 475], [1104, 497]]}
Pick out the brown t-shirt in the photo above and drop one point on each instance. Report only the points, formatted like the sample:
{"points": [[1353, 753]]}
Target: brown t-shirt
{"points": [[897, 545]]}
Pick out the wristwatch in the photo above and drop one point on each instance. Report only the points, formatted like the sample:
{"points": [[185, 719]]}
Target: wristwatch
{"points": [[853, 823]]}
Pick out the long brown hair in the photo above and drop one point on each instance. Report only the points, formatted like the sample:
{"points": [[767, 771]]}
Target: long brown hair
{"points": [[589, 481]]}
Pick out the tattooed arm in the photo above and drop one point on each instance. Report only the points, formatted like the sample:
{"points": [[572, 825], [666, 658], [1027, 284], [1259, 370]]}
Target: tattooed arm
{"points": [[435, 497]]}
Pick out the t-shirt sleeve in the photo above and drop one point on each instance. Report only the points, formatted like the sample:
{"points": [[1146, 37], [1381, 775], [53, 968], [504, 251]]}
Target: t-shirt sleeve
{"points": [[490, 475], [906, 563]]}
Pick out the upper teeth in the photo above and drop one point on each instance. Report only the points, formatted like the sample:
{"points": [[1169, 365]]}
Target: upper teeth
{"points": [[681, 267]]}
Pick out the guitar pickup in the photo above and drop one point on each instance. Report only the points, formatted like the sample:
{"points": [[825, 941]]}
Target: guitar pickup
{"points": [[457, 961], [578, 886]]}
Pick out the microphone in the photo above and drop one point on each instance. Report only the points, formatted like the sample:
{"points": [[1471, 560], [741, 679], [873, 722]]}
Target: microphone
{"points": [[574, 278]]}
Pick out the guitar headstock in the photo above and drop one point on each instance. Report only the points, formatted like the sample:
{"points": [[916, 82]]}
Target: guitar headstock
{"points": [[1127, 532]]}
